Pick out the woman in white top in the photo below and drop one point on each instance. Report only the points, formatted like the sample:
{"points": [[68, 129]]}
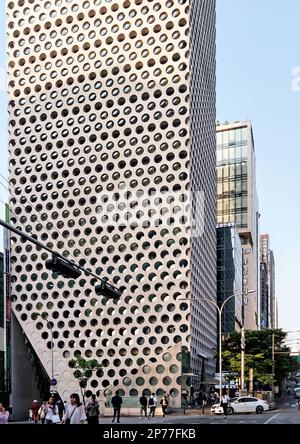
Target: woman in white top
{"points": [[75, 411], [51, 411]]}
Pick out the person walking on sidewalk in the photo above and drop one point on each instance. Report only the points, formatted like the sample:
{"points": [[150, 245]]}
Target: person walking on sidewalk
{"points": [[152, 403], [75, 411], [4, 414], [35, 411], [42, 412], [143, 405], [224, 403], [92, 411], [51, 411], [116, 403], [164, 404]]}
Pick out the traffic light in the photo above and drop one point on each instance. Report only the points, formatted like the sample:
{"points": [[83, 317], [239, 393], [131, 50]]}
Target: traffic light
{"points": [[63, 267], [108, 290]]}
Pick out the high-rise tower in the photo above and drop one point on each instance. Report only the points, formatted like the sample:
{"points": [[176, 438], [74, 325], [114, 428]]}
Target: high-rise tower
{"points": [[267, 288], [237, 203], [112, 120]]}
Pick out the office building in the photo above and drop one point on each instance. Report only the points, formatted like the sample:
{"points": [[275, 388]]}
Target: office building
{"points": [[237, 203], [112, 103], [268, 296], [229, 276]]}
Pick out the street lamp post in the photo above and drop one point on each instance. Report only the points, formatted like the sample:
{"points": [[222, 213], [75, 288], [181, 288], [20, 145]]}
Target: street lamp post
{"points": [[220, 310], [51, 330]]}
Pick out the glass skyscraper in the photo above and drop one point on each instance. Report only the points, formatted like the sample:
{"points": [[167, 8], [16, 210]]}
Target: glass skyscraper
{"points": [[237, 203], [229, 276]]}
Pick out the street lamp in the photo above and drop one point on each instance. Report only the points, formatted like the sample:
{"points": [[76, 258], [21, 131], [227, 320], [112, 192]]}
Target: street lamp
{"points": [[49, 325], [220, 310]]}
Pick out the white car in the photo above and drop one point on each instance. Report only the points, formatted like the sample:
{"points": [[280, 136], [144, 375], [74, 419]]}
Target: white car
{"points": [[244, 404]]}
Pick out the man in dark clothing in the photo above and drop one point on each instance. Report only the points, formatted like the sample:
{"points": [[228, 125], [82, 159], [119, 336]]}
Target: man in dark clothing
{"points": [[92, 411], [60, 407], [143, 404], [116, 403]]}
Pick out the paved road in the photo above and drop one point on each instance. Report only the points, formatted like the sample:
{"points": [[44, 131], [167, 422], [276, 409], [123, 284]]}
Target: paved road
{"points": [[287, 413], [274, 417]]}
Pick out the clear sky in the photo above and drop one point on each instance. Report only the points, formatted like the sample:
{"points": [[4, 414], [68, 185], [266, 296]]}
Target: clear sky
{"points": [[257, 49]]}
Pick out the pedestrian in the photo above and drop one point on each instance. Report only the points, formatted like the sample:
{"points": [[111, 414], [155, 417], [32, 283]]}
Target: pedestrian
{"points": [[4, 414], [204, 400], [92, 411], [61, 409], [164, 403], [143, 405], [152, 403], [196, 397], [224, 403], [116, 403], [42, 412], [30, 417], [200, 399], [168, 398], [185, 402], [35, 411], [75, 411], [213, 397], [51, 410], [192, 390]]}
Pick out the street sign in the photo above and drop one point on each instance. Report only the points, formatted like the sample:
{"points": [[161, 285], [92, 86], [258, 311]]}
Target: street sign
{"points": [[53, 381], [53, 389]]}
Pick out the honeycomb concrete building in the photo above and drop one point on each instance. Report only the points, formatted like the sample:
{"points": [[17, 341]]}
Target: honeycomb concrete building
{"points": [[111, 137]]}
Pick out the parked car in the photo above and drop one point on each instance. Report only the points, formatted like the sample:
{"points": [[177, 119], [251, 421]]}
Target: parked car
{"points": [[244, 404]]}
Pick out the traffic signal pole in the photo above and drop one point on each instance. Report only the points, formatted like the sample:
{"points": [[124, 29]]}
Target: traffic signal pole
{"points": [[26, 236]]}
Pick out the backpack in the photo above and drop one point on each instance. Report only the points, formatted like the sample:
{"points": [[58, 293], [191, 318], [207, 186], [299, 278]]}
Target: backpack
{"points": [[151, 401]]}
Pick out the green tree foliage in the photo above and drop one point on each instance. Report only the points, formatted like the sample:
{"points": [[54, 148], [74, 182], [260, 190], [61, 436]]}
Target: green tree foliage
{"points": [[258, 355], [84, 371]]}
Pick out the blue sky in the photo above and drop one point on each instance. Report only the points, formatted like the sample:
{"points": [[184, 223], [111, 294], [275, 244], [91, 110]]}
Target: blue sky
{"points": [[258, 47]]}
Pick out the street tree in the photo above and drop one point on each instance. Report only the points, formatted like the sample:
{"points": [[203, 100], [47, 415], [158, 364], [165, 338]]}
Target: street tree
{"points": [[258, 355], [83, 371]]}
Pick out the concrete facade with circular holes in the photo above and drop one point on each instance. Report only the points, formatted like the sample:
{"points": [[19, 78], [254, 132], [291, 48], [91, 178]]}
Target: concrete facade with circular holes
{"points": [[111, 102]]}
